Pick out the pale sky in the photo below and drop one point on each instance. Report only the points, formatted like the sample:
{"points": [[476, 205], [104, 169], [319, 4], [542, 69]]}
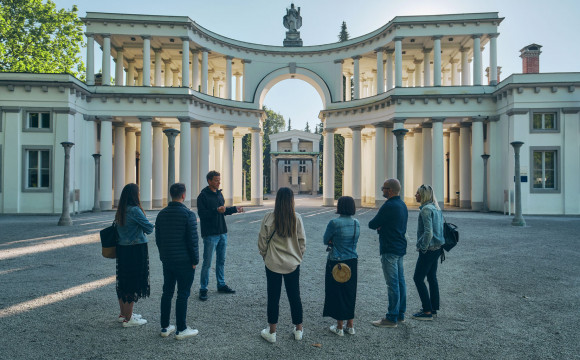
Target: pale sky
{"points": [[552, 24]]}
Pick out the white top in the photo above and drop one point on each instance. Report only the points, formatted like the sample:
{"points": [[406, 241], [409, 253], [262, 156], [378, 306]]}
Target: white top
{"points": [[281, 255]]}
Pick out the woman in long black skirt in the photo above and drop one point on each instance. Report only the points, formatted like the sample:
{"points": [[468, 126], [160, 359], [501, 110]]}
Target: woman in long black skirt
{"points": [[341, 237], [132, 255]]}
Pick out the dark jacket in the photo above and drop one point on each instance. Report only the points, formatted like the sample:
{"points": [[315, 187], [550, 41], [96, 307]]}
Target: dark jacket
{"points": [[212, 222], [392, 221], [176, 235]]}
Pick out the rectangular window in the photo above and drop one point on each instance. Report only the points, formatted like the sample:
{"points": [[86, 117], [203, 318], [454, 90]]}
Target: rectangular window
{"points": [[38, 120], [302, 162], [544, 169], [287, 169], [544, 121], [37, 169], [302, 169], [286, 162]]}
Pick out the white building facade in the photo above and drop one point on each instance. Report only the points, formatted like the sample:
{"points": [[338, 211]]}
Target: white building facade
{"points": [[420, 73]]}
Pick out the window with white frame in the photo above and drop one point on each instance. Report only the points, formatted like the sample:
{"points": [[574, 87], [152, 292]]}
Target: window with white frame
{"points": [[545, 121], [545, 169], [287, 169], [302, 169], [302, 162], [38, 120], [286, 162], [38, 169]]}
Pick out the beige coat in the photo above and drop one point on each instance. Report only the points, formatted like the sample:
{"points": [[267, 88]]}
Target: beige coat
{"points": [[281, 255]]}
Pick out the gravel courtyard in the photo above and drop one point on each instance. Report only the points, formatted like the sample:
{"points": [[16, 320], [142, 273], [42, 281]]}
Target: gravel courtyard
{"points": [[506, 292]]}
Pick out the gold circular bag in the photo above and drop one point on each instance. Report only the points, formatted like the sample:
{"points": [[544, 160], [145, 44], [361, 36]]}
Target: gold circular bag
{"points": [[341, 272]]}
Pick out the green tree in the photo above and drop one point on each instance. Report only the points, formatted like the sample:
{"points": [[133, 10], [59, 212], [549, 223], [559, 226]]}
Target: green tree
{"points": [[274, 123], [307, 128], [289, 124], [343, 36], [37, 37]]}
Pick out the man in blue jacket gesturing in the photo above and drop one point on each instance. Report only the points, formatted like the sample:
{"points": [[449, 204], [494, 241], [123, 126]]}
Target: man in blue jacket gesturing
{"points": [[177, 241], [212, 212], [391, 224]]}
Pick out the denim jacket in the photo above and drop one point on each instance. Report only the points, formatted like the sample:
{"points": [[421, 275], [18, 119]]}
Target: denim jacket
{"points": [[343, 232], [430, 228], [135, 228]]}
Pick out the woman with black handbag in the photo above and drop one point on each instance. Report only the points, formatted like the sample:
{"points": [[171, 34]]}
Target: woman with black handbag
{"points": [[282, 243], [429, 245], [132, 255], [341, 237]]}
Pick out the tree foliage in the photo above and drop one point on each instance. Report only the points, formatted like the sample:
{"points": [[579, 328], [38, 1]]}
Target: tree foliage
{"points": [[37, 37], [289, 124], [307, 128], [343, 36]]}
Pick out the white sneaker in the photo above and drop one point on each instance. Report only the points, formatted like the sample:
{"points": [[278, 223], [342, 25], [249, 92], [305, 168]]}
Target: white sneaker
{"points": [[188, 332], [165, 332], [271, 338], [334, 329], [349, 330], [298, 333], [121, 318], [134, 322]]}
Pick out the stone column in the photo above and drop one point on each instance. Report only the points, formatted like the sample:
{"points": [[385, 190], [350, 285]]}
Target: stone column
{"points": [[314, 176], [476, 164], [356, 174], [328, 170], [218, 144], [398, 62], [157, 165], [146, 164], [390, 151], [436, 60], [427, 150], [356, 75], [400, 135], [185, 157], [130, 155], [454, 74], [380, 75], [380, 175], [203, 154], [348, 163], [464, 167], [273, 175], [171, 135], [418, 63], [106, 66], [158, 61], [97, 203], [493, 59], [139, 77], [185, 66], [228, 165], [204, 70], [238, 151], [119, 161], [438, 161], [410, 77], [389, 66], [256, 164], [146, 60], [194, 185], [418, 157], [65, 219], [454, 165], [427, 67], [130, 76], [168, 73], [106, 175], [195, 70], [476, 60], [339, 73], [228, 87], [175, 80], [238, 86], [119, 67], [518, 219], [90, 58], [485, 157], [464, 66]]}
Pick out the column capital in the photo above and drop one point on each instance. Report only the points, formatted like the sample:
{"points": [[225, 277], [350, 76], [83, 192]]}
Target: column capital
{"points": [[382, 124], [390, 125], [389, 51], [379, 50], [437, 119], [229, 57], [493, 35], [465, 124], [399, 120], [255, 129], [118, 124], [476, 36], [145, 118], [246, 61], [347, 136], [146, 37], [357, 128], [118, 49], [185, 38], [426, 125], [183, 119], [166, 61], [104, 118], [427, 50], [454, 129], [436, 37], [339, 61], [464, 49], [156, 50], [454, 61], [89, 34], [478, 119], [417, 130], [204, 49], [106, 35], [203, 124], [157, 124], [398, 38], [330, 130], [417, 61], [130, 130], [229, 127], [357, 57]]}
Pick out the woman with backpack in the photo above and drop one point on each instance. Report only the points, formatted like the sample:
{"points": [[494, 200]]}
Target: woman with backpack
{"points": [[429, 245]]}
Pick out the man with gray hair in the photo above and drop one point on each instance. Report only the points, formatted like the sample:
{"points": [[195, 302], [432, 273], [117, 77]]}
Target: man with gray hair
{"points": [[391, 224]]}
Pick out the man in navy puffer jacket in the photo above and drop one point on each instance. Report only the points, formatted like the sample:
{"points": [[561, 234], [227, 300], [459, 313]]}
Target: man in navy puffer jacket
{"points": [[177, 241]]}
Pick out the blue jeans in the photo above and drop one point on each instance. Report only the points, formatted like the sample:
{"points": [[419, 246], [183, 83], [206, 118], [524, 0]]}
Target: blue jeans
{"points": [[217, 243], [183, 276], [395, 278]]}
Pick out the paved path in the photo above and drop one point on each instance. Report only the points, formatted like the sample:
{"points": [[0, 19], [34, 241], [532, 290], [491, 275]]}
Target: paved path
{"points": [[506, 293]]}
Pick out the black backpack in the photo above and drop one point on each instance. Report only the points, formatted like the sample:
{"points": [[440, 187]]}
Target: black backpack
{"points": [[451, 236]]}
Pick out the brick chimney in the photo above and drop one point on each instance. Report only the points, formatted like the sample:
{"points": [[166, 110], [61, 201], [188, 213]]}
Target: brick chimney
{"points": [[531, 59]]}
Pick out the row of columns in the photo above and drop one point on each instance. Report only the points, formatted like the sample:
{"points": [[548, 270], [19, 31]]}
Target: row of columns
{"points": [[394, 59], [196, 80], [427, 148], [155, 168]]}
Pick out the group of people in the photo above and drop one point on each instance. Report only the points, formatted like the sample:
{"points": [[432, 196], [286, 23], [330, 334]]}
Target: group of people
{"points": [[281, 243]]}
